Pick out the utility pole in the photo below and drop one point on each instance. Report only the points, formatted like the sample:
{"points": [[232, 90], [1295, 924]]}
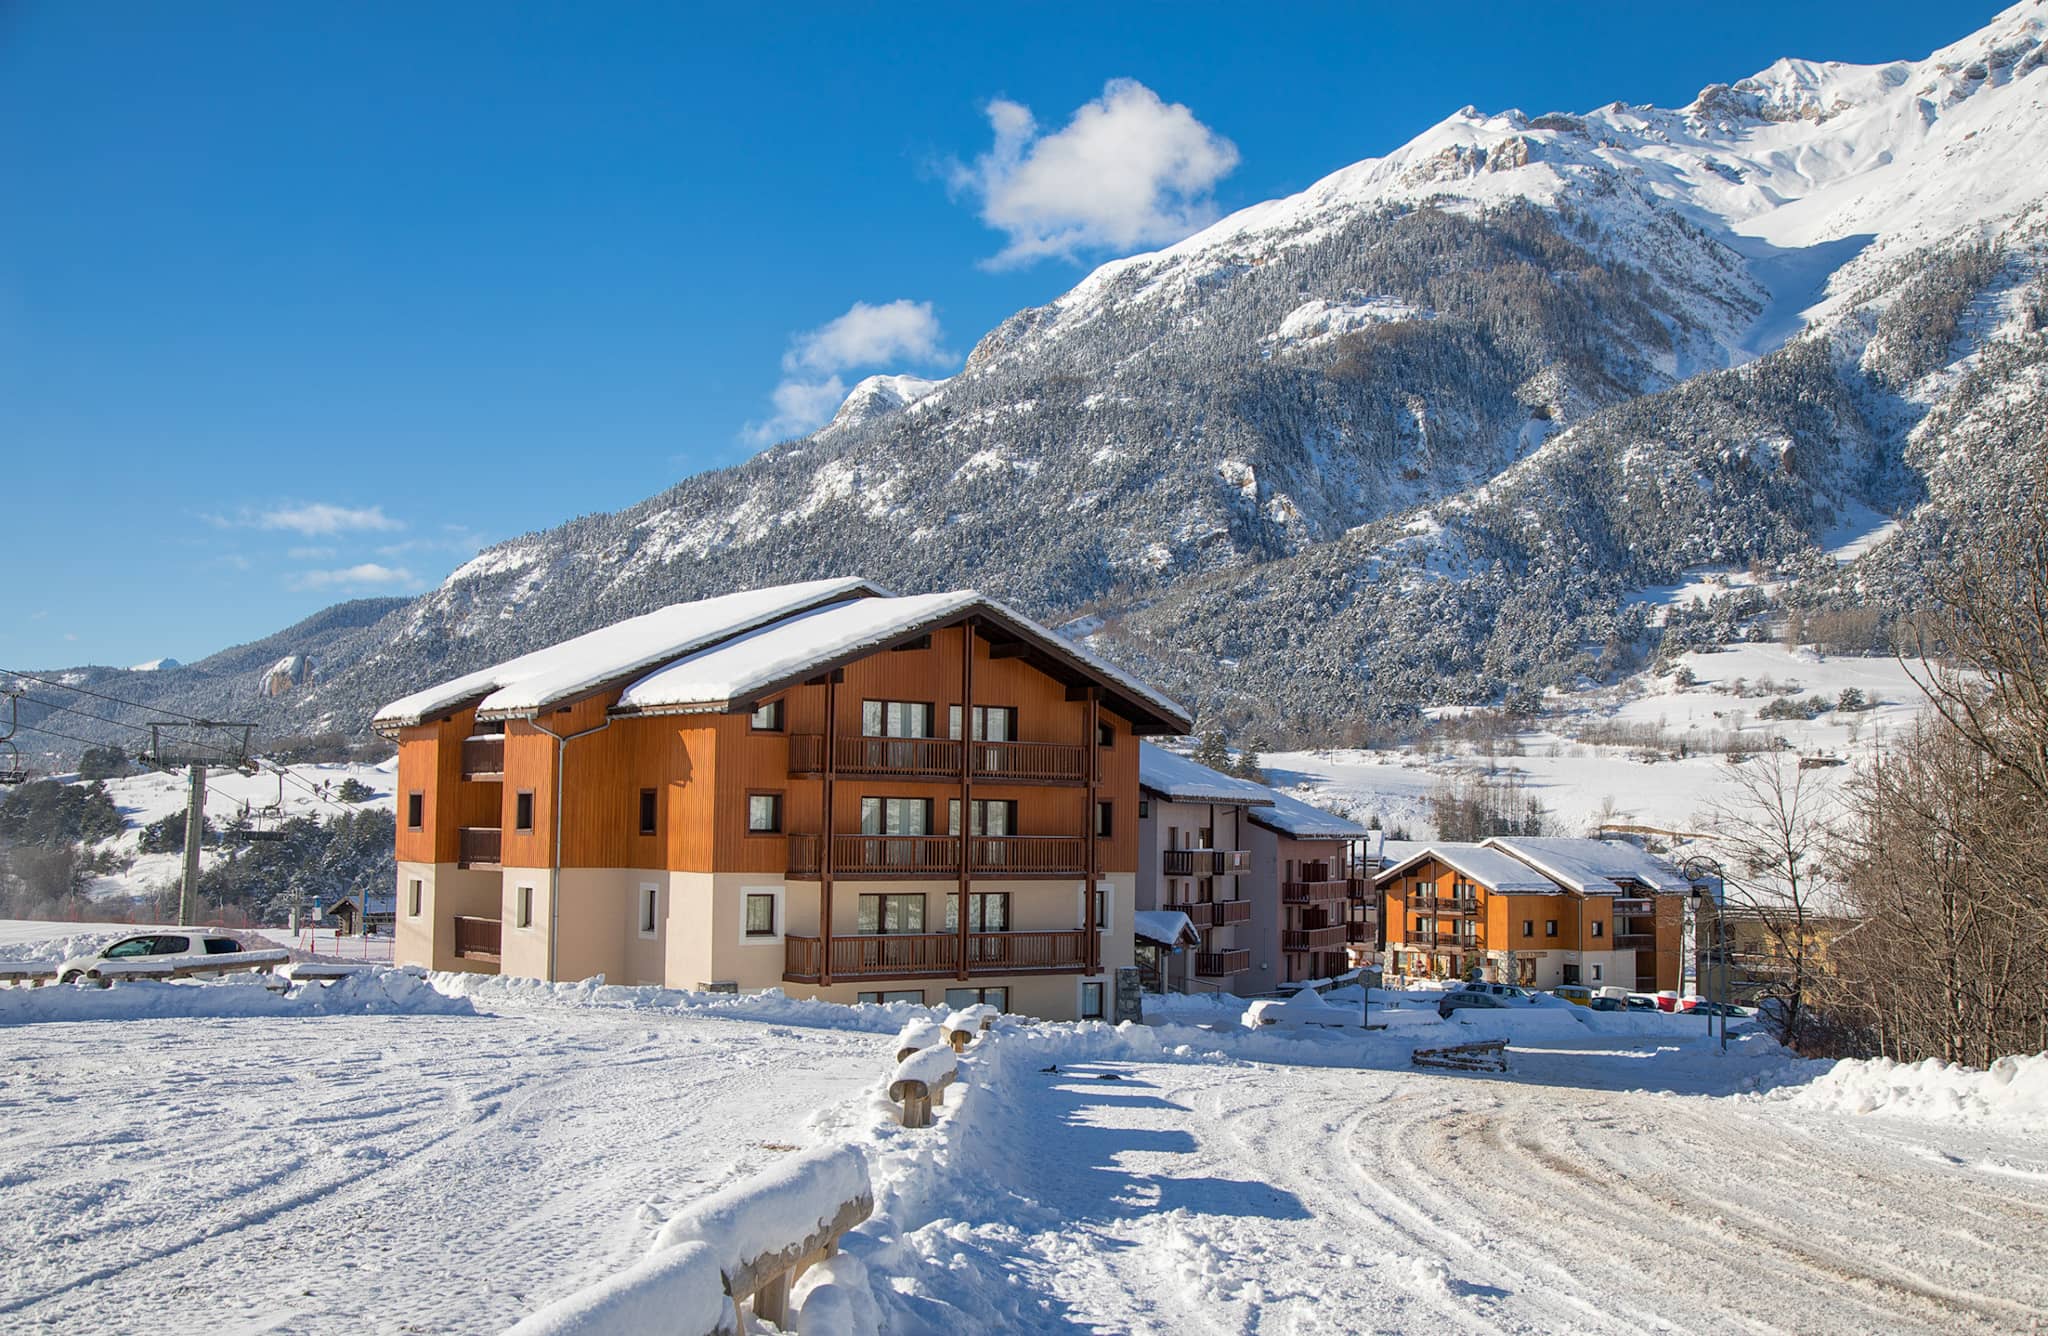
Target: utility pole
{"points": [[195, 828], [194, 746]]}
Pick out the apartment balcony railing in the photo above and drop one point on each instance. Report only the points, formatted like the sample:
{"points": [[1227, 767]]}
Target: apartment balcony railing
{"points": [[478, 938], [1313, 939], [930, 955], [1638, 941], [1443, 906], [1214, 913], [1432, 937], [480, 846], [1222, 964], [911, 856], [1359, 888], [483, 756], [939, 759], [1358, 932], [1315, 892], [1205, 862], [1624, 904]]}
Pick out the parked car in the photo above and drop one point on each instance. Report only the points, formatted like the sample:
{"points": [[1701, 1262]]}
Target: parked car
{"points": [[1482, 995], [1575, 993], [1728, 1009], [192, 943]]}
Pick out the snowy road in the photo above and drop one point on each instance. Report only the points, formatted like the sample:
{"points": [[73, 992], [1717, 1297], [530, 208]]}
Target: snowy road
{"points": [[377, 1173], [1195, 1197]]}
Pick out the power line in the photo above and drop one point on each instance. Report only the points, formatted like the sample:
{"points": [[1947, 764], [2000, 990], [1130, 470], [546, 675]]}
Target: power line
{"points": [[51, 732], [101, 695], [84, 714]]}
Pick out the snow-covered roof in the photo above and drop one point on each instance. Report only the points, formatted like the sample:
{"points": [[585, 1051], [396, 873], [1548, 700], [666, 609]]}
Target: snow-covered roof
{"points": [[1167, 927], [1594, 867], [583, 663], [1174, 776], [377, 904], [1491, 868], [771, 658], [1298, 820]]}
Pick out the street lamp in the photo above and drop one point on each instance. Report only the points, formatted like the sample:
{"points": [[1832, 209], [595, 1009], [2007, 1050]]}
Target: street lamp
{"points": [[1698, 869]]}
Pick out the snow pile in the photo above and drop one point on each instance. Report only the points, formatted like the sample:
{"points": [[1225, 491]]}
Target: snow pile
{"points": [[919, 1034], [676, 1289], [770, 1005], [370, 992], [2012, 1093], [774, 1210], [1306, 1007]]}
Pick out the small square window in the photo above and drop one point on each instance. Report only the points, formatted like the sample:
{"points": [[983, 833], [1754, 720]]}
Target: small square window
{"points": [[1105, 735], [1528, 927], [649, 806], [522, 907], [760, 914], [1599, 929], [1144, 808], [1596, 974], [415, 810], [1550, 927], [1105, 820], [767, 717], [522, 810], [1091, 1001], [412, 898], [764, 813]]}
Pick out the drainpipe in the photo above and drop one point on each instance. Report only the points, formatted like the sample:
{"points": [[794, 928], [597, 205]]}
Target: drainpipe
{"points": [[562, 741]]}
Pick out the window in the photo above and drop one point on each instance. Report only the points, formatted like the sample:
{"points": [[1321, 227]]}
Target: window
{"points": [[1205, 889], [412, 898], [650, 906], [766, 718], [1550, 927], [999, 998], [134, 946], [522, 907], [1105, 820], [1101, 907], [1091, 1001], [760, 913], [914, 996], [1105, 735], [764, 814], [1528, 927], [648, 804], [415, 810], [991, 816], [1599, 928], [1596, 974], [987, 911], [896, 816], [522, 810], [222, 946], [1144, 808], [992, 723], [1571, 973], [896, 718], [890, 913], [170, 946]]}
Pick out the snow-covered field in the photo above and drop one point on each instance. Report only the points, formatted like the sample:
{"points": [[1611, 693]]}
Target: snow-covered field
{"points": [[1581, 782]]}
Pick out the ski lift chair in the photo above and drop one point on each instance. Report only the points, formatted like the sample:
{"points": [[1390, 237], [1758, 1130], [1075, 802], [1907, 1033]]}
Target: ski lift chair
{"points": [[10, 764]]}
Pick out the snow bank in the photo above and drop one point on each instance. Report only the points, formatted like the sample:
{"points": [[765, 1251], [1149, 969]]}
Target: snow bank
{"points": [[2012, 1093], [772, 1005], [371, 992], [675, 1290], [775, 1210], [1306, 1007], [919, 1034]]}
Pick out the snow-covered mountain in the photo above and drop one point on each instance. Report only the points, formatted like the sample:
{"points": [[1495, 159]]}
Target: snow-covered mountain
{"points": [[1422, 431]]}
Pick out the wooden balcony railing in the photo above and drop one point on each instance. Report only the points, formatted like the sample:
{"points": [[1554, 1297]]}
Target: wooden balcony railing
{"points": [[1205, 862], [1359, 888], [1629, 904], [910, 856], [939, 759], [479, 846], [935, 955], [1443, 906], [1312, 939], [1221, 964], [1314, 892], [478, 938], [1433, 937], [1214, 913], [1636, 941], [1357, 932], [483, 756]]}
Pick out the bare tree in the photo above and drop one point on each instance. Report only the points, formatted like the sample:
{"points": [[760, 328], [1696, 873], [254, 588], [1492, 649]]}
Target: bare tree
{"points": [[1770, 838]]}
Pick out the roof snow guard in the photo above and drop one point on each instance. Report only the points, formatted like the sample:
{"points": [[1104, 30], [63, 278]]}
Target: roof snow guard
{"points": [[1178, 779], [726, 653]]}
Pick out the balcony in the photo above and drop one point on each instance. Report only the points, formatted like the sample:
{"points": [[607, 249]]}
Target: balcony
{"points": [[935, 955], [1331, 938], [1315, 892], [1443, 906], [938, 759], [1458, 941], [479, 846], [1204, 862], [1632, 905], [1356, 933], [1634, 941], [1214, 913], [914, 856], [478, 938], [1359, 888], [1222, 964], [483, 756]]}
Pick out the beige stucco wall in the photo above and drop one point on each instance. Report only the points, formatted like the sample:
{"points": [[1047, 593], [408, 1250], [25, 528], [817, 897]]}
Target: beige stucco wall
{"points": [[446, 891]]}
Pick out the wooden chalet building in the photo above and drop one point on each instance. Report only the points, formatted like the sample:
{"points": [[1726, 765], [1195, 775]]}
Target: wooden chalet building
{"points": [[818, 787], [1194, 857], [1538, 912]]}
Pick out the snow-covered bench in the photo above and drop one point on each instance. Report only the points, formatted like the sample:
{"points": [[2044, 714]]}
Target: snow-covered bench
{"points": [[920, 1082], [310, 971], [1304, 1008], [749, 1241], [29, 973], [918, 1035], [964, 1026], [108, 972]]}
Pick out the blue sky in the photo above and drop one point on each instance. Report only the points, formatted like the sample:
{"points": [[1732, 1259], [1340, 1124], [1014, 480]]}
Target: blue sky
{"points": [[306, 302]]}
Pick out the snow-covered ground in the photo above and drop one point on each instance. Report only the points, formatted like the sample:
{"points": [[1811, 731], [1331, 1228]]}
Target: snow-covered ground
{"points": [[1580, 781]]}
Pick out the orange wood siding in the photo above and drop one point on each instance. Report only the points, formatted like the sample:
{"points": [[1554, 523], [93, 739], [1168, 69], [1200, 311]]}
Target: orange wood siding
{"points": [[430, 763]]}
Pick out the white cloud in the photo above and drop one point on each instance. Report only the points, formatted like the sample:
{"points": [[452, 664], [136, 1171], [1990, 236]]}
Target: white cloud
{"points": [[319, 519], [363, 575], [310, 553], [1127, 171], [866, 336]]}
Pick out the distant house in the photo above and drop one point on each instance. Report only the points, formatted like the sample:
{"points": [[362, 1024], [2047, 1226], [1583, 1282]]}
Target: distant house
{"points": [[1194, 859], [350, 919], [1308, 869], [1536, 911]]}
